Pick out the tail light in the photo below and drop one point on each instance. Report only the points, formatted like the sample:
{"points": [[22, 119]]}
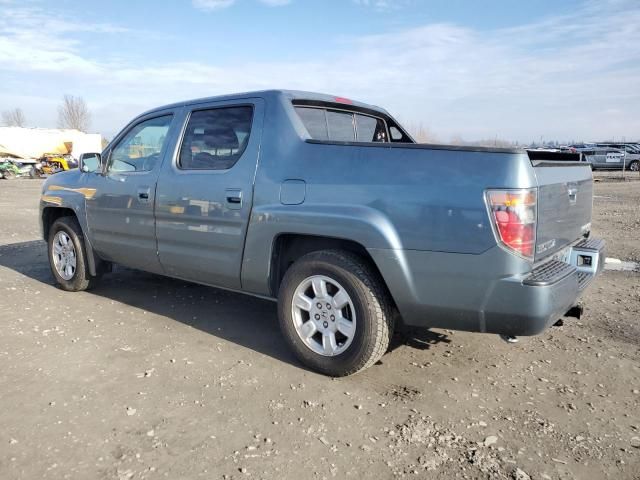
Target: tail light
{"points": [[513, 217]]}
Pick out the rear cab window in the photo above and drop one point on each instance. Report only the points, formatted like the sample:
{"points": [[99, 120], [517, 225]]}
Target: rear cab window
{"points": [[370, 129], [342, 125], [315, 121]]}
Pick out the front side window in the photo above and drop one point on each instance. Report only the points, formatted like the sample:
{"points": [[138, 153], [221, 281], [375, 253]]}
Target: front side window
{"points": [[139, 150], [215, 139]]}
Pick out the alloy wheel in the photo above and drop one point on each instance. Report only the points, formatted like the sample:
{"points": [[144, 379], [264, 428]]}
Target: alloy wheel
{"points": [[323, 315], [64, 255]]}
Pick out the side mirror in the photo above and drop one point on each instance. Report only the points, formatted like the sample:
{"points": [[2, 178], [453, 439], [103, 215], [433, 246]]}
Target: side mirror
{"points": [[90, 162]]}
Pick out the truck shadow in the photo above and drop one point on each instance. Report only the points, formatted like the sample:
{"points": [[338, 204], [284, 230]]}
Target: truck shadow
{"points": [[247, 321], [418, 338]]}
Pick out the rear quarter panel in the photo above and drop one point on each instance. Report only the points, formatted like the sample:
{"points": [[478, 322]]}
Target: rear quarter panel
{"points": [[383, 197]]}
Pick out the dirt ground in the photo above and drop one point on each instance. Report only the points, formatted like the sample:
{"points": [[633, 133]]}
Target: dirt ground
{"points": [[147, 377]]}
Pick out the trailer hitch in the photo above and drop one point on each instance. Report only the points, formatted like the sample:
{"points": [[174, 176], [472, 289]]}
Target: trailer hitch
{"points": [[575, 311]]}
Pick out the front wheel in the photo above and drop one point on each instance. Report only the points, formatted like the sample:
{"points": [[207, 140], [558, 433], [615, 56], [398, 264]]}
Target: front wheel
{"points": [[634, 166], [67, 255], [335, 312]]}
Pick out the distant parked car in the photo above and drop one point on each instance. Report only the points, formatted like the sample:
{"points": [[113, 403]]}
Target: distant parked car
{"points": [[630, 152], [601, 158]]}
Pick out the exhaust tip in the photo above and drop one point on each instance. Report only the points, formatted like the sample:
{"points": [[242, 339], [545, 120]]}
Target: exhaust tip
{"points": [[509, 339]]}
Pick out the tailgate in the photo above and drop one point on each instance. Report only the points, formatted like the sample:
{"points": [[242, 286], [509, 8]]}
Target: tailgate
{"points": [[565, 199]]}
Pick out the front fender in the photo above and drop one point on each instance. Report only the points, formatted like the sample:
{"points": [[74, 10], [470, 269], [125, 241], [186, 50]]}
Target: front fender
{"points": [[57, 196]]}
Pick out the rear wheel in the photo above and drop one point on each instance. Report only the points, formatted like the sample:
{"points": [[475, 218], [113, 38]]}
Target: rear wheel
{"points": [[634, 166], [335, 312], [67, 255]]}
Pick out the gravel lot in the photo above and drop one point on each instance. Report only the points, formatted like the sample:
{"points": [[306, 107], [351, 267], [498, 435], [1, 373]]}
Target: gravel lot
{"points": [[147, 377]]}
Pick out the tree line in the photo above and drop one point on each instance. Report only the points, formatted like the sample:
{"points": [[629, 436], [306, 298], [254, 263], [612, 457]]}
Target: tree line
{"points": [[73, 113]]}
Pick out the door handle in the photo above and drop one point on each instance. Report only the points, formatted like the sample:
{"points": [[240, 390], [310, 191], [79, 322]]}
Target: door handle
{"points": [[143, 194], [233, 197]]}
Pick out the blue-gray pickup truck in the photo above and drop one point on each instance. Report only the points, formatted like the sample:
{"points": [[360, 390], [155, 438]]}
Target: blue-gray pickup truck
{"points": [[328, 206]]}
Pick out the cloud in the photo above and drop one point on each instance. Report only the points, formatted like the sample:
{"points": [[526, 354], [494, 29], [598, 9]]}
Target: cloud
{"points": [[574, 76], [210, 5], [27, 42], [381, 4], [276, 3]]}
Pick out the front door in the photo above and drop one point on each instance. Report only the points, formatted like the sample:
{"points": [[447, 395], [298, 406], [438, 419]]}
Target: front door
{"points": [[120, 213], [205, 192]]}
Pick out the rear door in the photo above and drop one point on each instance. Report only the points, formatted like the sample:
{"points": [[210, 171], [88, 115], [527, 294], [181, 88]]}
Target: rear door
{"points": [[205, 192], [120, 202]]}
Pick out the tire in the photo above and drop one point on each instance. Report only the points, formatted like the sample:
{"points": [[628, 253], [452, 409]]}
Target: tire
{"points": [[367, 317], [70, 279], [634, 166]]}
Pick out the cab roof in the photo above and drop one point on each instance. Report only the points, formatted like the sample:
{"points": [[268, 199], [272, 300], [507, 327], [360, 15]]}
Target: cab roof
{"points": [[291, 95]]}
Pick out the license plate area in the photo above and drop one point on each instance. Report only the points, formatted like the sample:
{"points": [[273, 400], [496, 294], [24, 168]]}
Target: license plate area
{"points": [[585, 260]]}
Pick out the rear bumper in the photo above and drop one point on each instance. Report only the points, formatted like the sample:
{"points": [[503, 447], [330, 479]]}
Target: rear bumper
{"points": [[492, 293], [527, 306]]}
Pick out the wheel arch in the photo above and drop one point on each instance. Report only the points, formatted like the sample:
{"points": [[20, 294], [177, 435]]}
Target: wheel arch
{"points": [[51, 214], [354, 227], [48, 217], [289, 247]]}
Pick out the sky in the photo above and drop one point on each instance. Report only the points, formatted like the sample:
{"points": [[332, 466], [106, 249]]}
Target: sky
{"points": [[515, 70]]}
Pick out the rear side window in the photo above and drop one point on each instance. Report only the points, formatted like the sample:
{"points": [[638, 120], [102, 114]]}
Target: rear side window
{"points": [[342, 126], [215, 139]]}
